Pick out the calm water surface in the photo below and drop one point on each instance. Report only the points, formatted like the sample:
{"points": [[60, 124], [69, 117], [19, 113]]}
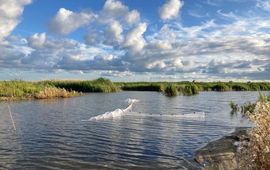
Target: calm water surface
{"points": [[51, 135]]}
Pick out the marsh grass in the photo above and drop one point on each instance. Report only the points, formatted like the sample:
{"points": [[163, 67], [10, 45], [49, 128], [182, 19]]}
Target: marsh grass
{"points": [[52, 92], [248, 107], [99, 85], [142, 87], [234, 107], [264, 98], [16, 90], [170, 90], [257, 150], [23, 89], [255, 154]]}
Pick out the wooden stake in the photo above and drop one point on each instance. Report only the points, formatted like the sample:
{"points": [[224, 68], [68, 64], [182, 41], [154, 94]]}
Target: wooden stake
{"points": [[11, 117]]}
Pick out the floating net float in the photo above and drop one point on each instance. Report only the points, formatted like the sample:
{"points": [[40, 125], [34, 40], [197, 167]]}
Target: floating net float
{"points": [[194, 115], [128, 111]]}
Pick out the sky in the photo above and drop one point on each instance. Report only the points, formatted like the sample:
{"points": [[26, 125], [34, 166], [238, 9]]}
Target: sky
{"points": [[135, 40]]}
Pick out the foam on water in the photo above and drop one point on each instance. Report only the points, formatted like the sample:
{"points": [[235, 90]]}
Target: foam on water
{"points": [[116, 113]]}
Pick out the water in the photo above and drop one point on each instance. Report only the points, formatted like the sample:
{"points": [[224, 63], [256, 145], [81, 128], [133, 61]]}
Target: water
{"points": [[51, 135]]}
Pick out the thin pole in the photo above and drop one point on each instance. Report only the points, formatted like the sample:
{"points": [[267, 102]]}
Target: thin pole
{"points": [[11, 117]]}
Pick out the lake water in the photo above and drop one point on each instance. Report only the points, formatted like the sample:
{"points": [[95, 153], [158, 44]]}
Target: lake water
{"points": [[51, 135]]}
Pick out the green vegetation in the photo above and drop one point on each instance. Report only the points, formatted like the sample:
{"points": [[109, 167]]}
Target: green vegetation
{"points": [[233, 86], [248, 107], [193, 88], [98, 85], [23, 89], [264, 98], [190, 89], [256, 149], [14, 90], [170, 90], [19, 89], [52, 92], [185, 88], [142, 86], [197, 86], [234, 107]]}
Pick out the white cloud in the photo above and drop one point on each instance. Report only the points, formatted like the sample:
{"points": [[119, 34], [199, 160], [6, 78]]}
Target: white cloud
{"points": [[37, 40], [156, 64], [119, 46], [264, 4], [134, 39], [132, 17], [67, 21], [10, 12], [114, 8], [114, 33], [170, 9], [112, 22], [117, 74]]}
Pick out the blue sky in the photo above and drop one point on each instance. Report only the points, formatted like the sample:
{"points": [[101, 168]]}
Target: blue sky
{"points": [[135, 40]]}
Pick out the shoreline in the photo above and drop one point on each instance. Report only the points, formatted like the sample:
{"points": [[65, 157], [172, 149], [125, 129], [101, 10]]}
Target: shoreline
{"points": [[221, 153]]}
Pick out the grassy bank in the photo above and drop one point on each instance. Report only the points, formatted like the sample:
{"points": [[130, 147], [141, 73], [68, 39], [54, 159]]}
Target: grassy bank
{"points": [[69, 88], [16, 90]]}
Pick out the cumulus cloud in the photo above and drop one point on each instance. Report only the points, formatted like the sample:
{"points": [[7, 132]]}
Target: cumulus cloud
{"points": [[112, 22], [134, 38], [114, 8], [170, 9], [10, 12], [114, 33], [67, 21], [132, 17], [37, 40], [122, 45]]}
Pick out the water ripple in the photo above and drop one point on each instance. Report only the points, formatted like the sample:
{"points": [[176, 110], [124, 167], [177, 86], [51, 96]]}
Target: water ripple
{"points": [[50, 134]]}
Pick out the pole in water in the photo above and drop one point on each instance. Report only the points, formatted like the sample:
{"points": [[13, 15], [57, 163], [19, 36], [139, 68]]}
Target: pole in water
{"points": [[11, 117]]}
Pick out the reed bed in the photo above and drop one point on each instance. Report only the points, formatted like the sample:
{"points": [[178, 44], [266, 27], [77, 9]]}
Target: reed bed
{"points": [[23, 89], [52, 92], [17, 90], [256, 153], [100, 85]]}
